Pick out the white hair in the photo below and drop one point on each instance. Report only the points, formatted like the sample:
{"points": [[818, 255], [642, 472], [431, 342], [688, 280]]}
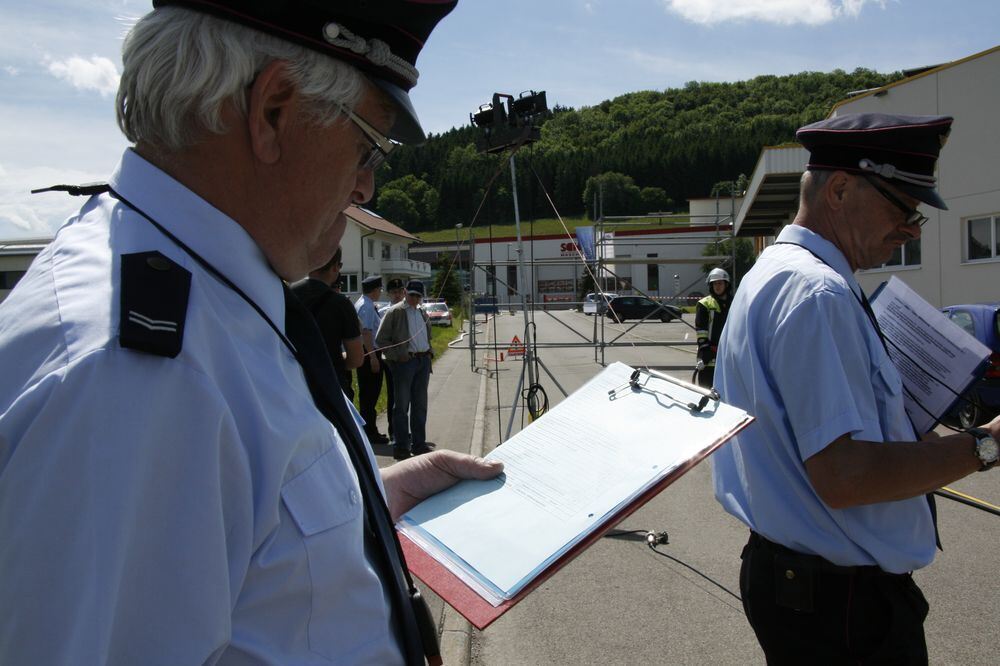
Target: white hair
{"points": [[181, 66], [811, 182]]}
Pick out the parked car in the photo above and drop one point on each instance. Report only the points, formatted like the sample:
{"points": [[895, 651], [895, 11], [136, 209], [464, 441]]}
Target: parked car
{"points": [[621, 308], [595, 302], [982, 401], [438, 313]]}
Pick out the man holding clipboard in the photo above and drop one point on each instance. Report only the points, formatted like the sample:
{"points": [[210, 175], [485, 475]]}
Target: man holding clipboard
{"points": [[831, 478]]}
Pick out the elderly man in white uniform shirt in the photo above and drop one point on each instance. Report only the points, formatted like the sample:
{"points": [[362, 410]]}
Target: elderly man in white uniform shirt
{"points": [[831, 477], [181, 479]]}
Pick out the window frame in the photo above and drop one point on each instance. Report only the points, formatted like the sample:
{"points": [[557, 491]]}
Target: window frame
{"points": [[994, 220]]}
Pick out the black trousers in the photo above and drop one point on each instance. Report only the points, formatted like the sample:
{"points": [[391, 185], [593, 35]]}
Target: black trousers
{"points": [[805, 609], [706, 376], [369, 389], [344, 377]]}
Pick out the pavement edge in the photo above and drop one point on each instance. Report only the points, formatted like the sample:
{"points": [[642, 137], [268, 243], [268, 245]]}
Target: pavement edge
{"points": [[456, 632]]}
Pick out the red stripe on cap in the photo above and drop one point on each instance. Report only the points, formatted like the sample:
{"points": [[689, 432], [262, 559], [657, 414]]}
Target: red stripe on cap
{"points": [[886, 149], [407, 34]]}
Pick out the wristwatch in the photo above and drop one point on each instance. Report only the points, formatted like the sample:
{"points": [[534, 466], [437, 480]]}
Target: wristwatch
{"points": [[987, 449]]}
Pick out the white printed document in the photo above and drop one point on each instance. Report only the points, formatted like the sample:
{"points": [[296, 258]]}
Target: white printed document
{"points": [[936, 359], [565, 476]]}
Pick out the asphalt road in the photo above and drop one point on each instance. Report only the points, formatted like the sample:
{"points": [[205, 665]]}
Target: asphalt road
{"points": [[621, 602]]}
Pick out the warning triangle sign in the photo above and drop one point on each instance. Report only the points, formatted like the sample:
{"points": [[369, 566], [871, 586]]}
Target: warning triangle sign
{"points": [[516, 347]]}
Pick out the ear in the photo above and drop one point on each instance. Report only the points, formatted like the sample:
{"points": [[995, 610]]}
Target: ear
{"points": [[272, 104], [837, 189]]}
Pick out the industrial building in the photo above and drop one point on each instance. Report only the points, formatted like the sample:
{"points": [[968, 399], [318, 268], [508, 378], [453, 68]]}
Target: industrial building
{"points": [[957, 260]]}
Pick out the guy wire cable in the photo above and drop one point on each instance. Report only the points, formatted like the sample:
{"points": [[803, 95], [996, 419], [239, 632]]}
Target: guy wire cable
{"points": [[454, 258], [486, 191]]}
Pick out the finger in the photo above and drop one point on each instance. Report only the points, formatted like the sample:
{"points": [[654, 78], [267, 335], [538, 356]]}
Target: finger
{"points": [[465, 466]]}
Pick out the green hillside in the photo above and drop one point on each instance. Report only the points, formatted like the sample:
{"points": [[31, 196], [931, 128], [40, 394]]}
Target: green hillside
{"points": [[652, 150]]}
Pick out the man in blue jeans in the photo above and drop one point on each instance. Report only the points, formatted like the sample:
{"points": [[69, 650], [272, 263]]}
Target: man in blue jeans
{"points": [[404, 337]]}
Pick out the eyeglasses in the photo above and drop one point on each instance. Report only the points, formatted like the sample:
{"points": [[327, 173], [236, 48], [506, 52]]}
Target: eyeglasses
{"points": [[913, 216], [381, 144]]}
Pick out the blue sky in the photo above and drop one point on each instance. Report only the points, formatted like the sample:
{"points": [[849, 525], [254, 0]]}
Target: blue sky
{"points": [[59, 63]]}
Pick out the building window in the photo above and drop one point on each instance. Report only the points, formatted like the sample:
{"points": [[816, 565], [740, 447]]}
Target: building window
{"points": [[511, 280], [908, 254], [652, 276], [386, 250], [982, 238], [10, 278], [371, 248], [350, 281]]}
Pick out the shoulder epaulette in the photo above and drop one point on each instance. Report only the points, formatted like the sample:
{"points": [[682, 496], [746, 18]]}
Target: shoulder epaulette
{"points": [[84, 190], [154, 298]]}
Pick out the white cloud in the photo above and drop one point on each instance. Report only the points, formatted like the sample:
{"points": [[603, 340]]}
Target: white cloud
{"points": [[48, 145], [781, 12], [666, 67], [10, 69], [24, 215], [98, 73]]}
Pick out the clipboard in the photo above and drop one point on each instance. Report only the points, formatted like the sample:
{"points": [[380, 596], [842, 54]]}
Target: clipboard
{"points": [[441, 576]]}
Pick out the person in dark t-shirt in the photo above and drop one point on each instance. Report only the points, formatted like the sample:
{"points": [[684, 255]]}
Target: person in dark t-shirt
{"points": [[336, 317]]}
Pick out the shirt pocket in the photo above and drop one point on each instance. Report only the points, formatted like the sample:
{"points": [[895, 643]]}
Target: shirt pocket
{"points": [[888, 389], [887, 378], [347, 607]]}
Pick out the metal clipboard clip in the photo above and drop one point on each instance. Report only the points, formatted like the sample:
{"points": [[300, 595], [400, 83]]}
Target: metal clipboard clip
{"points": [[636, 384]]}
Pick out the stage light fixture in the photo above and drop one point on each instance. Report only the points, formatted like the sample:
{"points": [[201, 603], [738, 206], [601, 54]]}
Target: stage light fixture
{"points": [[502, 127]]}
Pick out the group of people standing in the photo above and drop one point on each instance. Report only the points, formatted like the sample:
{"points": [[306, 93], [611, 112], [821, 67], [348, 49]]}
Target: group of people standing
{"points": [[182, 480], [384, 344]]}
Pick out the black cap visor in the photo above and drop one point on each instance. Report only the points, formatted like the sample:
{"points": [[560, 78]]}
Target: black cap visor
{"points": [[406, 128]]}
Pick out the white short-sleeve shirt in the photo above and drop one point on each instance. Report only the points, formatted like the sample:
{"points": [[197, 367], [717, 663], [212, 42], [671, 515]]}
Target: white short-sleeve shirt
{"points": [[800, 354], [171, 511]]}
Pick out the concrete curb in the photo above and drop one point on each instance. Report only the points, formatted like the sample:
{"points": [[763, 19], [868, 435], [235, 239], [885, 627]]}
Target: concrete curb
{"points": [[456, 632]]}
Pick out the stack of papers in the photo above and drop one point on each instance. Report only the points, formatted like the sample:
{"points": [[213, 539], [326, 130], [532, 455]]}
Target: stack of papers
{"points": [[936, 359], [569, 476]]}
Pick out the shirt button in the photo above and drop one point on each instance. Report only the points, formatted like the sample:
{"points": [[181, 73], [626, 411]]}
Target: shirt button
{"points": [[354, 497]]}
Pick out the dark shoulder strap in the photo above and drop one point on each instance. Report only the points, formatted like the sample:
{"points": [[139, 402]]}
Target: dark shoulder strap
{"points": [[154, 299]]}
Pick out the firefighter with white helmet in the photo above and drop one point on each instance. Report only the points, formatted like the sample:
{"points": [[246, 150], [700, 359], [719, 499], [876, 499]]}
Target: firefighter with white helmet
{"points": [[709, 318]]}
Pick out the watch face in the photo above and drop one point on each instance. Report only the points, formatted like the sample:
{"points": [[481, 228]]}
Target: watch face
{"points": [[989, 450]]}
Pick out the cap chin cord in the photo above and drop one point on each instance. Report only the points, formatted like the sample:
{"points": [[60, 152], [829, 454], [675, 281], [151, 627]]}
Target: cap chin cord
{"points": [[890, 172], [375, 50]]}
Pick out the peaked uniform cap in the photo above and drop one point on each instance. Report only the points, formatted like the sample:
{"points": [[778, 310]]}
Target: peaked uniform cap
{"points": [[902, 150], [382, 38], [371, 283]]}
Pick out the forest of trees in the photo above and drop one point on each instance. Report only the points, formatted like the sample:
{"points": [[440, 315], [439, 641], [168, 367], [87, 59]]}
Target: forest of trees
{"points": [[653, 149]]}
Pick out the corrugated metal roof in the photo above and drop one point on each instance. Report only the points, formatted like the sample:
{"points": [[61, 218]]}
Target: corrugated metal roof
{"points": [[25, 247], [912, 74], [773, 192]]}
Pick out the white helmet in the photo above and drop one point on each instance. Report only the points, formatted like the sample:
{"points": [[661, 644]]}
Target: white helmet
{"points": [[717, 274]]}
